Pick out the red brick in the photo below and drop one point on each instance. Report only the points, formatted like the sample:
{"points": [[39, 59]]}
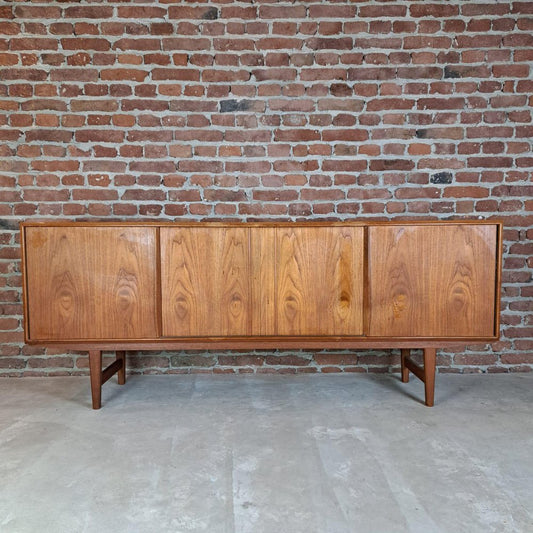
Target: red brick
{"points": [[332, 11], [330, 43], [441, 103], [330, 28], [37, 12], [144, 104], [344, 135], [141, 12], [82, 75], [94, 105], [478, 41], [433, 10], [511, 71], [32, 43], [60, 135], [216, 76], [180, 44], [238, 12], [380, 11], [86, 28], [518, 40], [286, 360], [10, 28], [159, 59], [137, 44], [275, 43], [76, 43], [340, 165], [490, 162], [315, 74], [6, 12], [186, 12], [88, 12], [466, 192], [123, 74], [370, 73], [419, 41], [298, 135], [111, 136], [391, 164], [12, 362]]}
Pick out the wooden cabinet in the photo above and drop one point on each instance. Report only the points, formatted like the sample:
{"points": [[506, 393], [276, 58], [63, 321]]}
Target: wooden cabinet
{"points": [[153, 286]]}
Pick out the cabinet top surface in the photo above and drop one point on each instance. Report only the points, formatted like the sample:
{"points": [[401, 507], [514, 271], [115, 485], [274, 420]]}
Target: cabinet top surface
{"points": [[233, 223]]}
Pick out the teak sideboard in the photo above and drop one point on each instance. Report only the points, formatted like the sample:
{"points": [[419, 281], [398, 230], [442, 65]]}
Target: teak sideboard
{"points": [[119, 286]]}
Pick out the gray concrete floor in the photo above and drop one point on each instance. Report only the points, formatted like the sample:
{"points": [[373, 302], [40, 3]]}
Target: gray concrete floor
{"points": [[310, 453]]}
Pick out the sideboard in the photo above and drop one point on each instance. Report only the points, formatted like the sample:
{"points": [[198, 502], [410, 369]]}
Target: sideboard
{"points": [[118, 286]]}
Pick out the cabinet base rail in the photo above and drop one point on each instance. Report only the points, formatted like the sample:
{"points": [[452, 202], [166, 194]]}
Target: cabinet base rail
{"points": [[98, 376]]}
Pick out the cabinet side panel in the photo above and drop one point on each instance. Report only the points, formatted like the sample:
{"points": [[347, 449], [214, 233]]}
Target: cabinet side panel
{"points": [[263, 265], [320, 281], [205, 278], [432, 280], [91, 282]]}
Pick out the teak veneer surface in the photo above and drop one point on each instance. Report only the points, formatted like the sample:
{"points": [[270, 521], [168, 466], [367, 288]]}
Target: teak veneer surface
{"points": [[205, 281], [319, 279], [210, 282], [91, 282], [273, 281], [434, 281]]}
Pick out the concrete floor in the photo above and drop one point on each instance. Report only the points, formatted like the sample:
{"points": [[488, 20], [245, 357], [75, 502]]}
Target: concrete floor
{"points": [[309, 453]]}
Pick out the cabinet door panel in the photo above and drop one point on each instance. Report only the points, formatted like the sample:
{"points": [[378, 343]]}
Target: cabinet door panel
{"points": [[91, 282], [320, 281], [432, 281], [205, 279]]}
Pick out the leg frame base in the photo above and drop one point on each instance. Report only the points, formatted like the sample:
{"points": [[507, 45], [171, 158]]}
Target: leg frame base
{"points": [[426, 373], [99, 376]]}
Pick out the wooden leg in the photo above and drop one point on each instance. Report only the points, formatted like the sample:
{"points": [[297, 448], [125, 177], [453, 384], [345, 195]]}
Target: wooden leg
{"points": [[405, 370], [99, 376], [95, 367], [430, 356], [121, 374], [425, 373]]}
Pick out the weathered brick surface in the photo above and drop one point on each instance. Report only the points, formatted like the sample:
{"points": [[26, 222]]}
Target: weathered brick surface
{"points": [[271, 110]]}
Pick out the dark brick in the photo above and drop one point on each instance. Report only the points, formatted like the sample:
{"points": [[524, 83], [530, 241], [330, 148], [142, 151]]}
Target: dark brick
{"points": [[210, 14], [230, 106], [441, 178], [450, 72]]}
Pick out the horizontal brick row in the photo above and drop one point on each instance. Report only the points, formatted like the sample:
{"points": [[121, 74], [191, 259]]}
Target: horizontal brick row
{"points": [[33, 363]]}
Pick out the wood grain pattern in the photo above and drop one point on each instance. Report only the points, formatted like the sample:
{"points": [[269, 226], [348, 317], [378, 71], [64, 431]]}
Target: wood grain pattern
{"points": [[205, 280], [67, 256], [263, 264], [91, 283], [95, 368], [430, 360], [432, 281], [319, 281]]}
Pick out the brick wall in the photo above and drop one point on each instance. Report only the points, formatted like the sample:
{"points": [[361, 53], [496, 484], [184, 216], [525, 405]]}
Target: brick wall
{"points": [[265, 109]]}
